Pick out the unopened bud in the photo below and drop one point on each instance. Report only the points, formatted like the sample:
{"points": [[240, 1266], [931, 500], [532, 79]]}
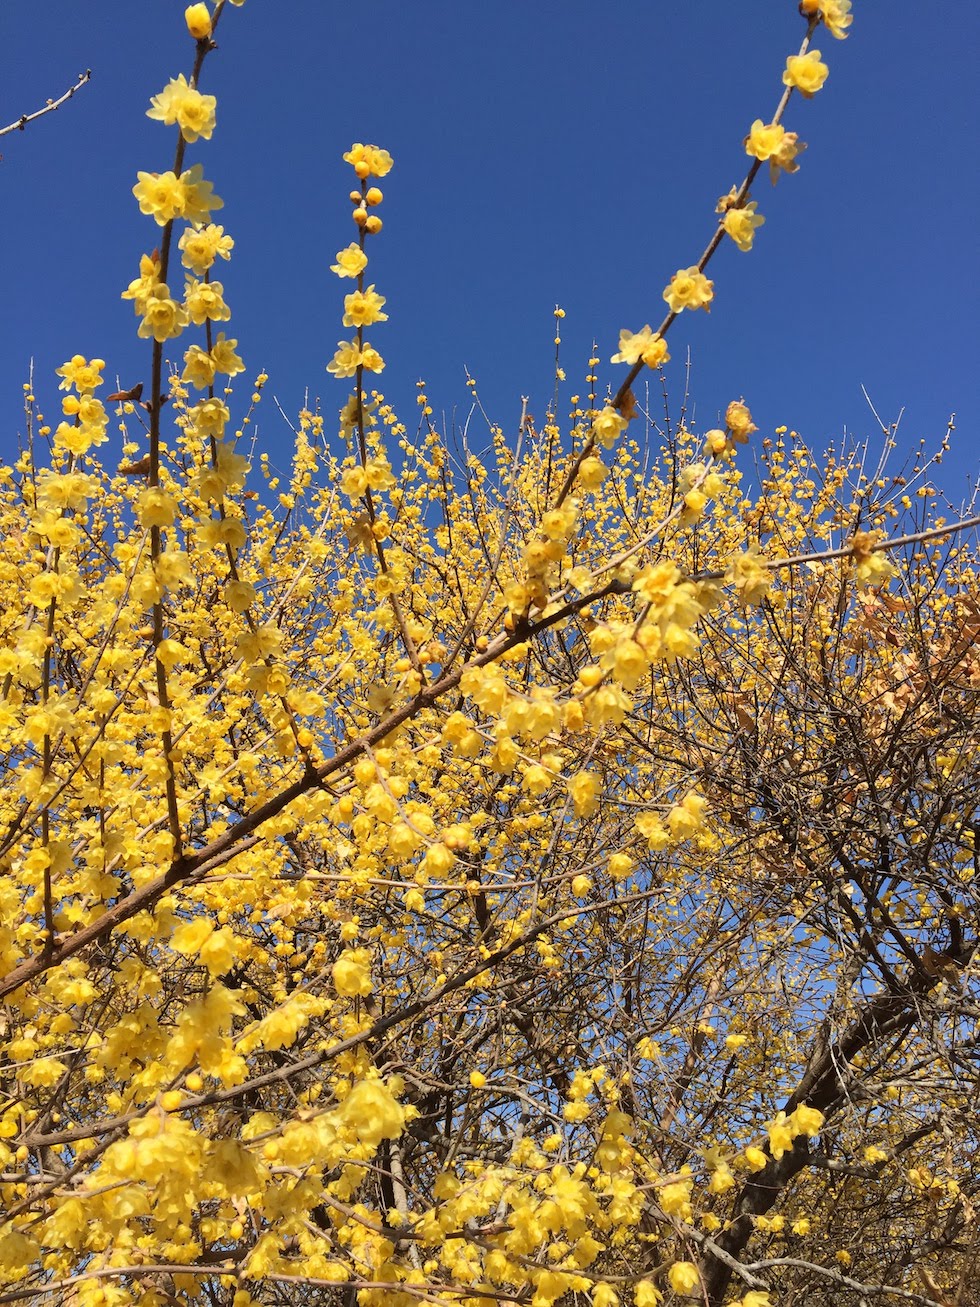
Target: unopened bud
{"points": [[198, 20]]}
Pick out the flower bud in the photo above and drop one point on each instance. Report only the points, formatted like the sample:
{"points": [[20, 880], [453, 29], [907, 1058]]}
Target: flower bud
{"points": [[198, 21], [360, 216], [373, 224], [374, 196], [362, 168], [355, 197]]}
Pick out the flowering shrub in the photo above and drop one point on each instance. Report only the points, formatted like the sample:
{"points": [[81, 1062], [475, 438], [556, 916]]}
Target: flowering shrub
{"points": [[434, 877]]}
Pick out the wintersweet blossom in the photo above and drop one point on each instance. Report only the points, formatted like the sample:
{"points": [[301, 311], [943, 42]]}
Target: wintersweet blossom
{"points": [[807, 1120], [165, 196], [199, 197], [689, 289], [346, 360], [750, 577], [362, 308], [369, 160], [684, 1277], [183, 104], [226, 360], [371, 359], [738, 419], [645, 345], [201, 245], [773, 142], [82, 373], [608, 426], [198, 21], [352, 973], [836, 15], [805, 72], [741, 225], [204, 302], [372, 1112], [163, 317], [351, 262]]}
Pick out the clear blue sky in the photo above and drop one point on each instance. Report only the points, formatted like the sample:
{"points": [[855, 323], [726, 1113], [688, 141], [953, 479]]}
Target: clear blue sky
{"points": [[555, 151]]}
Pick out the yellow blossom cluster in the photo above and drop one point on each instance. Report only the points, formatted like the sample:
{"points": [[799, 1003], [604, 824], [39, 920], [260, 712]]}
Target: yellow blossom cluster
{"points": [[400, 858]]}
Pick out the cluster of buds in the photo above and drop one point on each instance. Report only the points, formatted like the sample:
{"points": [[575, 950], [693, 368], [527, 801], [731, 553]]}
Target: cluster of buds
{"points": [[363, 306]]}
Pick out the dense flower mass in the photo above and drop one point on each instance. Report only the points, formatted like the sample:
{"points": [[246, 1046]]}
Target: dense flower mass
{"points": [[474, 863]]}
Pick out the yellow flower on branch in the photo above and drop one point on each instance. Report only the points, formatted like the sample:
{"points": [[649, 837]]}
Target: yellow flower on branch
{"points": [[184, 105], [772, 142], [805, 72], [644, 344], [198, 21], [363, 308], [351, 262], [689, 289], [741, 225]]}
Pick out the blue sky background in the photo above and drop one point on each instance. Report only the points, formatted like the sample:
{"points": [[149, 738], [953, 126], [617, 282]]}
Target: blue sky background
{"points": [[545, 152]]}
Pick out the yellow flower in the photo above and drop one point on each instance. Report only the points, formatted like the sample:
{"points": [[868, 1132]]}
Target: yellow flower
{"points": [[225, 358], [80, 373], [371, 359], [165, 196], [750, 577], [739, 422], [145, 284], [372, 1112], [807, 1120], [352, 972], [184, 105], [756, 1158], [199, 368], [204, 302], [805, 72], [781, 1133], [740, 224], [199, 197], [198, 21], [159, 195], [350, 262], [156, 507], [684, 1278], [347, 359], [163, 317], [645, 345], [477, 1079], [363, 308], [368, 160], [584, 791], [836, 15], [200, 246], [689, 289], [608, 426], [771, 141]]}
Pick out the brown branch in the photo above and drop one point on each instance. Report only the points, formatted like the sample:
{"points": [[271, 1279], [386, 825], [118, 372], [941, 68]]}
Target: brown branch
{"points": [[51, 105]]}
